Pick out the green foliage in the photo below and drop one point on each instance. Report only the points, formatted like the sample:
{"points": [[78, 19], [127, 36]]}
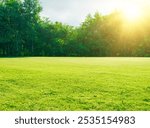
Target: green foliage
{"points": [[75, 83], [24, 33]]}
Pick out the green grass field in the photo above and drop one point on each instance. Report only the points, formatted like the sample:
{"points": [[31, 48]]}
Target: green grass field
{"points": [[74, 83]]}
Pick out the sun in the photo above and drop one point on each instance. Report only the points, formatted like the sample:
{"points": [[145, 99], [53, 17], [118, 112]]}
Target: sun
{"points": [[131, 12]]}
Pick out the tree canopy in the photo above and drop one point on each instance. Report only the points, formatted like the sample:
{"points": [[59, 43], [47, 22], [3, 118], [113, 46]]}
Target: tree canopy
{"points": [[24, 33]]}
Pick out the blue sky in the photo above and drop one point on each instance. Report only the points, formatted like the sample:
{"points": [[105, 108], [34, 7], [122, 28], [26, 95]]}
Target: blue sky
{"points": [[73, 12]]}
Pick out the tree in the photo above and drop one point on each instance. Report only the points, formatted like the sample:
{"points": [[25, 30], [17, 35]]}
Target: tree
{"points": [[24, 33]]}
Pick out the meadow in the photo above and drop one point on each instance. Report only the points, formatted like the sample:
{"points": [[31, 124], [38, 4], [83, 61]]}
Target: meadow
{"points": [[74, 83]]}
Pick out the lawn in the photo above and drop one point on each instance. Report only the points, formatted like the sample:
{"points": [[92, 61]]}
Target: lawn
{"points": [[74, 83]]}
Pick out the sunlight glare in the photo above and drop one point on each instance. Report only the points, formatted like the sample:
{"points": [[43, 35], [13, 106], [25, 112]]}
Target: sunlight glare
{"points": [[131, 12]]}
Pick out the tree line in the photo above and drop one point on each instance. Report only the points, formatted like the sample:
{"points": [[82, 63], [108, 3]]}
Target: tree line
{"points": [[24, 33]]}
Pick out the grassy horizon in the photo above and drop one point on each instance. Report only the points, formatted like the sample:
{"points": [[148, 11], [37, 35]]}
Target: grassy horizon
{"points": [[75, 83]]}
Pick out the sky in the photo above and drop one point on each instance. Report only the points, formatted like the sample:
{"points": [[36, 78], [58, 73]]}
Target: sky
{"points": [[74, 12]]}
